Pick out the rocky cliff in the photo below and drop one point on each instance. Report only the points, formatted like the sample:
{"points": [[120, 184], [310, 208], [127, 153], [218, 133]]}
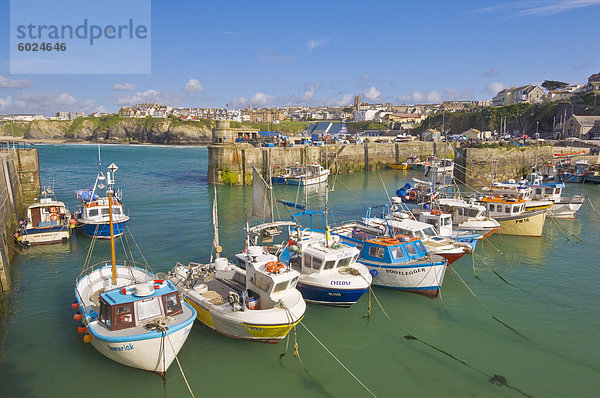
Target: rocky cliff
{"points": [[114, 130]]}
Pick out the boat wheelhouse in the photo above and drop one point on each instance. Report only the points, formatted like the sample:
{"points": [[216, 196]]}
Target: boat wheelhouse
{"points": [[562, 207], [329, 271], [513, 219], [468, 216], [403, 263], [48, 221]]}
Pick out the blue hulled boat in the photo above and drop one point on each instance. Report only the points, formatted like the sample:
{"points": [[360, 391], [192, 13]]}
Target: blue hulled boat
{"points": [[93, 216], [403, 263]]}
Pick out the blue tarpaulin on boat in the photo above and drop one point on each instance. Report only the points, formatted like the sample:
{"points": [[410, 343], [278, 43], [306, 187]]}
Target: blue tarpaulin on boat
{"points": [[86, 195]]}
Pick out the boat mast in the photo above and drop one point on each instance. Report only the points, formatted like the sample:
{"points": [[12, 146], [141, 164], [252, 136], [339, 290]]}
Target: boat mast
{"points": [[109, 190]]}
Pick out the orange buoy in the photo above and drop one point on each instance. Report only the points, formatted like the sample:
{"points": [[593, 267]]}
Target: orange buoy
{"points": [[77, 316], [87, 338], [81, 329], [75, 305]]}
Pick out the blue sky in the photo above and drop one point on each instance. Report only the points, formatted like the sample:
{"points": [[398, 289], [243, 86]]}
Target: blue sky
{"points": [[268, 53]]}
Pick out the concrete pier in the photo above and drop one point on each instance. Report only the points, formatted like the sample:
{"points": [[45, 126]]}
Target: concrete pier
{"points": [[231, 163], [19, 185]]}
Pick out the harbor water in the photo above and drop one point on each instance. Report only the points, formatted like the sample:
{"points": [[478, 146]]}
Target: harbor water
{"points": [[548, 346]]}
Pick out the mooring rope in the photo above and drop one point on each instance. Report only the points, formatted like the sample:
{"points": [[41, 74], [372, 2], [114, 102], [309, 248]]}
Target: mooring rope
{"points": [[495, 379], [180, 368], [488, 310], [338, 361], [593, 208]]}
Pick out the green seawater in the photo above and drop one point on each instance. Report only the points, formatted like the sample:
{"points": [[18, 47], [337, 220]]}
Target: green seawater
{"points": [[553, 303]]}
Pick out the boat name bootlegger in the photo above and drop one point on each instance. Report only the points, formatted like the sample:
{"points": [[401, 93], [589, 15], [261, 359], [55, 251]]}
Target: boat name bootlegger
{"points": [[392, 271]]}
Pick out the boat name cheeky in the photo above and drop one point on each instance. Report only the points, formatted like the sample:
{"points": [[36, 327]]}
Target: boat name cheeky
{"points": [[126, 347], [341, 283], [414, 271]]}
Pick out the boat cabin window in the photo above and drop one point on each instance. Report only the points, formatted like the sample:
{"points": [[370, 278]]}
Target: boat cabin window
{"points": [[411, 249], [445, 221], [93, 212], [280, 287], [430, 221], [172, 304], [105, 314], [148, 308], [344, 262], [242, 263], [262, 282], [375, 251], [122, 316], [429, 232], [420, 246], [104, 211], [507, 209], [538, 191], [397, 252], [329, 264], [472, 212], [293, 282], [549, 191], [317, 262], [522, 207], [493, 207], [307, 260], [116, 210], [516, 208], [558, 191]]}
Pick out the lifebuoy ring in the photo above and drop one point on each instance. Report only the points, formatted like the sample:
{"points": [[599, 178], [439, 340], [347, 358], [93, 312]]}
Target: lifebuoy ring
{"points": [[412, 195], [53, 216], [274, 266], [391, 241], [159, 283], [53, 209]]}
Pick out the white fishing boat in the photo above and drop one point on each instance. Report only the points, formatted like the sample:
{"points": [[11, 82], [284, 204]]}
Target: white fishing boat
{"points": [[512, 216], [468, 216], [310, 174], [128, 314], [256, 300], [513, 190], [562, 207], [48, 221]]}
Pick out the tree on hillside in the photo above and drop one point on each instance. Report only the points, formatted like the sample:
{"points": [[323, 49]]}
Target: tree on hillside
{"points": [[554, 85]]}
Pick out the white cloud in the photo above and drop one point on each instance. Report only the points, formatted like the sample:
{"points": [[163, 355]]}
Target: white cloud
{"points": [[491, 73], [558, 7], [46, 103], [193, 86], [309, 93], [434, 96], [268, 55], [314, 43], [372, 94], [10, 83], [258, 99], [456, 94], [5, 103], [143, 96], [363, 81], [493, 88], [345, 99], [123, 87]]}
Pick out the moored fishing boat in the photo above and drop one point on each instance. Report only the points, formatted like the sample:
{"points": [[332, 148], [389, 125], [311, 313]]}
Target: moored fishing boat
{"points": [[255, 300], [93, 216], [310, 174], [48, 221], [403, 263], [513, 219], [128, 314], [468, 216]]}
